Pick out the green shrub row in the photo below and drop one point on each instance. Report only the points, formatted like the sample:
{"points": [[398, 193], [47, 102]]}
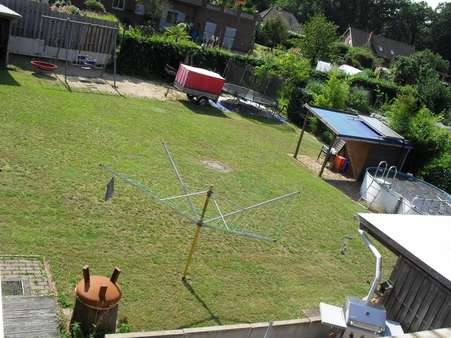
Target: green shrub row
{"points": [[148, 56]]}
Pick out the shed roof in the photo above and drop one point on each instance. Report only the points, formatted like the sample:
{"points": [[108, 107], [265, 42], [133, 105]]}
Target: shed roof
{"points": [[7, 13], [356, 127], [423, 239]]}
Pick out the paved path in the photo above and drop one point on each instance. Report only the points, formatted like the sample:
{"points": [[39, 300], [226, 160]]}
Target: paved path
{"points": [[29, 306]]}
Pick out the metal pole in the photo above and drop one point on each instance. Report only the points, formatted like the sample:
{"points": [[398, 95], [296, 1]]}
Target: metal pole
{"points": [[199, 225], [67, 47], [327, 157], [114, 61], [296, 152], [179, 177], [268, 330], [7, 44], [251, 207]]}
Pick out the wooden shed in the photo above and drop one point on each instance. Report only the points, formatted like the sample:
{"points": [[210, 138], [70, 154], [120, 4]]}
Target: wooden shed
{"points": [[6, 16], [367, 141], [421, 295]]}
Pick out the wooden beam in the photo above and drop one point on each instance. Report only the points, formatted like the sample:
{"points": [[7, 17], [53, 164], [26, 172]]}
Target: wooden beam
{"points": [[404, 159], [306, 116], [327, 157]]}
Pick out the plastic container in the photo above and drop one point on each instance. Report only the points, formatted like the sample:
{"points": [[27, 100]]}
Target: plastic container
{"points": [[199, 79], [340, 162]]}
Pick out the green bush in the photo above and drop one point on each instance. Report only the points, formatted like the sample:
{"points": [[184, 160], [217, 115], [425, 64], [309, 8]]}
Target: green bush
{"points": [[419, 125], [71, 9], [147, 56], [314, 124], [400, 113], [314, 88], [177, 33], [361, 58], [423, 70], [290, 67], [440, 177], [101, 16], [405, 69], [95, 6], [359, 99], [380, 90], [327, 136], [272, 33], [429, 142], [432, 92], [335, 93], [338, 51]]}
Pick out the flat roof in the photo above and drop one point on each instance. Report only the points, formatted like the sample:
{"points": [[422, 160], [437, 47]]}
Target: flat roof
{"points": [[5, 12], [354, 127], [423, 239]]}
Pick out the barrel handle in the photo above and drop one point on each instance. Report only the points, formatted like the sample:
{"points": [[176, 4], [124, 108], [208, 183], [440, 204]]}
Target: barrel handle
{"points": [[86, 277], [115, 275], [102, 293]]}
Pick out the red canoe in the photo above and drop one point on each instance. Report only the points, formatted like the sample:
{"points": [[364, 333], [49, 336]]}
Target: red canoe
{"points": [[44, 65]]}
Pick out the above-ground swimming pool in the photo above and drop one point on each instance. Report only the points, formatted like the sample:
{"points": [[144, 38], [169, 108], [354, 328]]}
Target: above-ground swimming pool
{"points": [[393, 192]]}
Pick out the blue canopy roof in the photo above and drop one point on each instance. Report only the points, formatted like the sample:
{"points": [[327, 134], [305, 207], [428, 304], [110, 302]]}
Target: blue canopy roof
{"points": [[349, 126]]}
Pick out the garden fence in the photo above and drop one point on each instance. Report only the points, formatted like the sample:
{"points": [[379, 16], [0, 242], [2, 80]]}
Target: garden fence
{"points": [[40, 27]]}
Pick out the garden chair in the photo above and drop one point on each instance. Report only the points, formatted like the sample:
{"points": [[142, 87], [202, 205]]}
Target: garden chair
{"points": [[336, 148]]}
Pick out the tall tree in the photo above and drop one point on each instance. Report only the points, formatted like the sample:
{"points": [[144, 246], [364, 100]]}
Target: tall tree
{"points": [[319, 34], [441, 30]]}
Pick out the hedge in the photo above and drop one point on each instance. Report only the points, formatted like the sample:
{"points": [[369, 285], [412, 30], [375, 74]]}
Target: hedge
{"points": [[375, 86], [148, 56]]}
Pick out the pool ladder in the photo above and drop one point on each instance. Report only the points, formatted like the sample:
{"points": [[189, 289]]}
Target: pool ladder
{"points": [[385, 175]]}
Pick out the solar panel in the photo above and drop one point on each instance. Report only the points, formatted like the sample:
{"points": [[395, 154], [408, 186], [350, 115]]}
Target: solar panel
{"points": [[380, 128]]}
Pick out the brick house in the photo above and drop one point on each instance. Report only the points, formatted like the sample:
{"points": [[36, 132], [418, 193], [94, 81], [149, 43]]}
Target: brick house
{"points": [[230, 28]]}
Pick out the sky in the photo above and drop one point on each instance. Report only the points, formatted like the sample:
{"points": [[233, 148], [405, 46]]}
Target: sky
{"points": [[434, 3]]}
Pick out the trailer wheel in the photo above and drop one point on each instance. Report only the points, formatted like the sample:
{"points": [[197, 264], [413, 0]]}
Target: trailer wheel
{"points": [[191, 97], [202, 101]]}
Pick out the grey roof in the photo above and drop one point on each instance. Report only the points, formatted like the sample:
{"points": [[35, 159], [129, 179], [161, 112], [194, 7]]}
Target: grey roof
{"points": [[381, 46], [7, 13], [288, 18]]}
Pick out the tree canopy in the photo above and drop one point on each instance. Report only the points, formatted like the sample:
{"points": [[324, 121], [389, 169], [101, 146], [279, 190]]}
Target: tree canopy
{"points": [[408, 21]]}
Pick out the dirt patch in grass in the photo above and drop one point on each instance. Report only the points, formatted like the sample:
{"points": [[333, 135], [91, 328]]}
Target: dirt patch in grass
{"points": [[216, 165]]}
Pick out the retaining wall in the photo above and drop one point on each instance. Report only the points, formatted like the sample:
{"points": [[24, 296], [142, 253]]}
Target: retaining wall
{"points": [[297, 328]]}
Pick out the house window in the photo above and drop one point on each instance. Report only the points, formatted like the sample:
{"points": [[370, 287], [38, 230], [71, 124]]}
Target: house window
{"points": [[118, 4], [229, 37], [209, 31], [171, 18], [139, 9]]}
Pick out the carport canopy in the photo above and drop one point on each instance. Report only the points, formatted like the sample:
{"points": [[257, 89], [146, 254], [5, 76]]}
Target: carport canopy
{"points": [[6, 13], [352, 127], [423, 239]]}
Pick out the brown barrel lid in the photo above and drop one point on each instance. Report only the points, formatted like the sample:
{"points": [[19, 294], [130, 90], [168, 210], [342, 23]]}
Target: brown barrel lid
{"points": [[90, 294]]}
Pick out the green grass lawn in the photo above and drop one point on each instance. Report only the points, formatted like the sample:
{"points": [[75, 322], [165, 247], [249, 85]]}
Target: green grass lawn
{"points": [[51, 204]]}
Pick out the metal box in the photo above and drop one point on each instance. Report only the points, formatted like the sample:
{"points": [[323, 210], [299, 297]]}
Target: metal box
{"points": [[366, 316]]}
